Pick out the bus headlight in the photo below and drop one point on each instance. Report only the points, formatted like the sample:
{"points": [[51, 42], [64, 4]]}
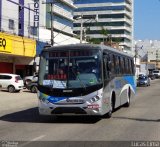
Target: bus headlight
{"points": [[44, 100], [94, 99]]}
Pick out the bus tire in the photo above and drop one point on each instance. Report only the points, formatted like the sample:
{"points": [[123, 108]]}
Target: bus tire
{"points": [[127, 104], [112, 104]]}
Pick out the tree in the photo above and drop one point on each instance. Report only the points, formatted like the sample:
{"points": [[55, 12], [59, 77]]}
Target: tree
{"points": [[104, 32]]}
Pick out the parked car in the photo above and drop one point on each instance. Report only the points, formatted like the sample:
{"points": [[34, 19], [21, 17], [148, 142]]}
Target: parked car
{"points": [[152, 76], [156, 73], [32, 86], [29, 79], [143, 81], [11, 82]]}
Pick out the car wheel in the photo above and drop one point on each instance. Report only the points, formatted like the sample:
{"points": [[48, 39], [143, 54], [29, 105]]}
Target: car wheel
{"points": [[28, 81], [11, 89], [33, 89]]}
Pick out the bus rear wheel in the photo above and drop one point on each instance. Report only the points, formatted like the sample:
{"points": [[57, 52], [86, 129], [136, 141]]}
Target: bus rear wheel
{"points": [[127, 104]]}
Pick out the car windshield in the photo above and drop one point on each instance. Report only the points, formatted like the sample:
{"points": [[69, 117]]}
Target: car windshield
{"points": [[70, 69], [142, 78], [155, 71]]}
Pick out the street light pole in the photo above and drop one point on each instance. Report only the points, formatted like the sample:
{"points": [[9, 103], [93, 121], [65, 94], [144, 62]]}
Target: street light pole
{"points": [[81, 28], [81, 31], [136, 52], [52, 33]]}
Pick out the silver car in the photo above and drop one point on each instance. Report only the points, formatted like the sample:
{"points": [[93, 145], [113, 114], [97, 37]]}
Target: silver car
{"points": [[143, 81]]}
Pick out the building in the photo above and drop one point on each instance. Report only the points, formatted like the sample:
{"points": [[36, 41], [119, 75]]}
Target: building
{"points": [[150, 53], [114, 23], [25, 27], [16, 49], [62, 22]]}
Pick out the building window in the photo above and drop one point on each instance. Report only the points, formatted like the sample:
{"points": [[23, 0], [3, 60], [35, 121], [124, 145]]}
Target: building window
{"points": [[20, 26], [11, 24], [33, 30]]}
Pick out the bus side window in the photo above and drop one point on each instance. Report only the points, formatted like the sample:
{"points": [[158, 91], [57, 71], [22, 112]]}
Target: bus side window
{"points": [[130, 68], [122, 66], [113, 63], [107, 67], [119, 65]]}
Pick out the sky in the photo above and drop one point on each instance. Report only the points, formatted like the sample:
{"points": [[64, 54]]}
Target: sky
{"points": [[147, 19]]}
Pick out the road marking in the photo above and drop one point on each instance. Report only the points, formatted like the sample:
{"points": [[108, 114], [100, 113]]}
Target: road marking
{"points": [[34, 139]]}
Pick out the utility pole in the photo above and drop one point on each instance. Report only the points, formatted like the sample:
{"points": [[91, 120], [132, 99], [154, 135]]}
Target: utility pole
{"points": [[136, 53], [157, 59], [147, 64], [52, 31], [81, 28], [81, 31]]}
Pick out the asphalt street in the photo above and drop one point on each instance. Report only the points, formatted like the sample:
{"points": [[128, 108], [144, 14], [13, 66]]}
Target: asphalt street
{"points": [[19, 120]]}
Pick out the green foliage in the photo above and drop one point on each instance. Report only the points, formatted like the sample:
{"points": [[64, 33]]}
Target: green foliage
{"points": [[104, 31], [95, 40]]}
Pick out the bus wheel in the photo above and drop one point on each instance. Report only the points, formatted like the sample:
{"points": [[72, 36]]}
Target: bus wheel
{"points": [[127, 104], [112, 103]]}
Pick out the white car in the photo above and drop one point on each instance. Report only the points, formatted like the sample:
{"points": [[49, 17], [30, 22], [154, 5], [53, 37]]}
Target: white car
{"points": [[11, 82], [156, 73]]}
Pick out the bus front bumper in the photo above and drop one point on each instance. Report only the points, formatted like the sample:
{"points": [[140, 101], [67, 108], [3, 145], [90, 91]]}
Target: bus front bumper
{"points": [[79, 109]]}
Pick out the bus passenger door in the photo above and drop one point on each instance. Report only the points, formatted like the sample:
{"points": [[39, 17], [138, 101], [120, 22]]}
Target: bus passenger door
{"points": [[107, 77]]}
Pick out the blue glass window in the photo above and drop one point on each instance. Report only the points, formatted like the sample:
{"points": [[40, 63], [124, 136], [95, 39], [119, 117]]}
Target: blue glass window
{"points": [[96, 1], [100, 8]]}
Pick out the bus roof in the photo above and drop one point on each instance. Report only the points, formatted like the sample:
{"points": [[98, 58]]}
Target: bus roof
{"points": [[86, 46]]}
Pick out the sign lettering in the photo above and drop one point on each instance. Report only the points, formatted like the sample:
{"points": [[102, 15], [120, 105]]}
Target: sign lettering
{"points": [[36, 13], [3, 43]]}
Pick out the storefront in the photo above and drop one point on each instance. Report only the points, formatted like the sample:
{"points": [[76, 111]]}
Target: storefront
{"points": [[16, 54]]}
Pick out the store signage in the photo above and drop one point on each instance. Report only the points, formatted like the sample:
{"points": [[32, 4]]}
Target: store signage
{"points": [[3, 43], [36, 13], [16, 45]]}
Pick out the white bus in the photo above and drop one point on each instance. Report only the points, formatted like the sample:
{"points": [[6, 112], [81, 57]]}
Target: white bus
{"points": [[84, 79]]}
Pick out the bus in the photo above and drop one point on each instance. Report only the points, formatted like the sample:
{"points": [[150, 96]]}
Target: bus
{"points": [[84, 79]]}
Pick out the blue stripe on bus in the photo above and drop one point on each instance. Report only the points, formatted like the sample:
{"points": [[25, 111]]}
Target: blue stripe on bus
{"points": [[52, 99], [130, 80]]}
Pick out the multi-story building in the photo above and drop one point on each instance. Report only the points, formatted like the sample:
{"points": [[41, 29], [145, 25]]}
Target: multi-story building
{"points": [[62, 16], [149, 52], [25, 27], [16, 49], [114, 16], [62, 22]]}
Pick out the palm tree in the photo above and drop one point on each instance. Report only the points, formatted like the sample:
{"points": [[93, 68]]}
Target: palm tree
{"points": [[104, 32]]}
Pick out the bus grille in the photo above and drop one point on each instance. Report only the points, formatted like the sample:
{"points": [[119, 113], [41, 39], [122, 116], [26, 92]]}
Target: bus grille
{"points": [[75, 110]]}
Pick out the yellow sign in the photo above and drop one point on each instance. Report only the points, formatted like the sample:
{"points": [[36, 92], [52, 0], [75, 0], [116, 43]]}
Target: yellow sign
{"points": [[5, 43], [16, 45]]}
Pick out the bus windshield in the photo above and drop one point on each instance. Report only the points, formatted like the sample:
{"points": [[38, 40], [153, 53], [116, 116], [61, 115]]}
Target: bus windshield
{"points": [[70, 69]]}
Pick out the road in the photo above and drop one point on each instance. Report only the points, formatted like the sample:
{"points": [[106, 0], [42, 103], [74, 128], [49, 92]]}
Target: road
{"points": [[19, 120]]}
